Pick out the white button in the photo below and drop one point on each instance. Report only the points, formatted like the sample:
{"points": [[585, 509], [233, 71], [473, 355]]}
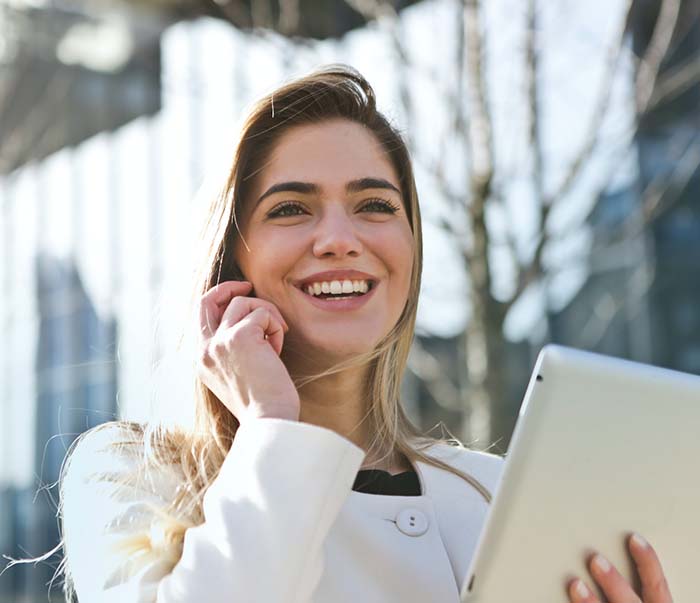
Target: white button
{"points": [[412, 522]]}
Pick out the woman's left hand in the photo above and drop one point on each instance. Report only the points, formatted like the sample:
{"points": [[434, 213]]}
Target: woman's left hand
{"points": [[616, 588]]}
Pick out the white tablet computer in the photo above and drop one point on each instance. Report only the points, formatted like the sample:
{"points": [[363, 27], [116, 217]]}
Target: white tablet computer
{"points": [[602, 447]]}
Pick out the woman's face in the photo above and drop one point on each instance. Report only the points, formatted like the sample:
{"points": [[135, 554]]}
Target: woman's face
{"points": [[325, 210]]}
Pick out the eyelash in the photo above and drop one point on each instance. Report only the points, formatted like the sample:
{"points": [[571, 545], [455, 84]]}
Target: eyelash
{"points": [[387, 207]]}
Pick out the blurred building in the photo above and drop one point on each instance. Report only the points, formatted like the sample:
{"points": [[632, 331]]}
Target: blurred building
{"points": [[640, 301], [668, 151], [70, 73], [66, 76]]}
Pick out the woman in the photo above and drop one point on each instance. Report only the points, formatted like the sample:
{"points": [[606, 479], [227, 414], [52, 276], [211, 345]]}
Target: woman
{"points": [[286, 489]]}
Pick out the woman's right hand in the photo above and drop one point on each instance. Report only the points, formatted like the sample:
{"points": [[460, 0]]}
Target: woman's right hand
{"points": [[241, 340]]}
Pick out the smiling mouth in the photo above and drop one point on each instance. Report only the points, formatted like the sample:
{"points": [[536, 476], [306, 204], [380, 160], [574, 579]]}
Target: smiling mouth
{"points": [[362, 288]]}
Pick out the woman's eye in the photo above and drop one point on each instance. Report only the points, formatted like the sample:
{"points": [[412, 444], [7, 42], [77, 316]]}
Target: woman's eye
{"points": [[286, 209], [380, 205], [291, 208]]}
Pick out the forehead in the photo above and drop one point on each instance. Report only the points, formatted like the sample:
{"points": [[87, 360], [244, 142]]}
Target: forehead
{"points": [[328, 154]]}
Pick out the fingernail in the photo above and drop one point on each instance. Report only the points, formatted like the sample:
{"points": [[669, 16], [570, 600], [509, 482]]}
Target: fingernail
{"points": [[581, 589], [602, 563], [639, 541]]}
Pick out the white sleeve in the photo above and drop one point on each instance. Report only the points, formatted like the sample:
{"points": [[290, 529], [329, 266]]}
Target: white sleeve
{"points": [[266, 517]]}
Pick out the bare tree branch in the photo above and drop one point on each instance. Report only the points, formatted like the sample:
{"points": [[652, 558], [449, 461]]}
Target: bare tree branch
{"points": [[459, 127], [531, 75], [609, 306], [661, 199], [533, 271], [661, 195], [650, 63], [598, 114], [673, 84], [480, 150], [480, 138]]}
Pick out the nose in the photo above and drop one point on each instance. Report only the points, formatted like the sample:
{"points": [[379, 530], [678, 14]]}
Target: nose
{"points": [[336, 236]]}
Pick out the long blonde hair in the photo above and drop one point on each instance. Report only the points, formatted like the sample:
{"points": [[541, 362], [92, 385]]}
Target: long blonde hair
{"points": [[335, 91]]}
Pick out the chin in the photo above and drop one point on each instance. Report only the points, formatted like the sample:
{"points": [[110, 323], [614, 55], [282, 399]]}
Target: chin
{"points": [[346, 348], [341, 346]]}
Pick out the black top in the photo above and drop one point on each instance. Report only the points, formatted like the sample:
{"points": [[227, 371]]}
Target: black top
{"points": [[378, 481]]}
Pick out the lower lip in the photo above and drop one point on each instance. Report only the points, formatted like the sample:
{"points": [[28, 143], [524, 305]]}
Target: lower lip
{"points": [[340, 305]]}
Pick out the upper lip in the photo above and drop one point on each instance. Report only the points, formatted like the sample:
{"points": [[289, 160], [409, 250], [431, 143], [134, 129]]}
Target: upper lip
{"points": [[336, 275]]}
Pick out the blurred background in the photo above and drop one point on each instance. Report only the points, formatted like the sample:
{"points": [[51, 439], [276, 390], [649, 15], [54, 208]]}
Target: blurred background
{"points": [[556, 147]]}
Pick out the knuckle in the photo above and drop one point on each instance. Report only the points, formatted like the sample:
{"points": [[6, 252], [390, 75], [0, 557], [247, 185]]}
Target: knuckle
{"points": [[219, 348], [206, 360], [236, 303], [208, 293], [259, 312], [240, 300], [267, 305]]}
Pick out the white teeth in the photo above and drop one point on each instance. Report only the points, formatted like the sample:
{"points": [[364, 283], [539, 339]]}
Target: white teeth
{"points": [[337, 287]]}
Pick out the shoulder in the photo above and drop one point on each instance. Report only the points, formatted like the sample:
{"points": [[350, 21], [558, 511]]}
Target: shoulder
{"points": [[111, 460], [106, 437], [114, 507], [464, 457], [109, 448], [106, 447], [484, 466]]}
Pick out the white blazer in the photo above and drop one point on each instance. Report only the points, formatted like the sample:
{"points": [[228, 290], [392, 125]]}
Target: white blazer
{"points": [[282, 525]]}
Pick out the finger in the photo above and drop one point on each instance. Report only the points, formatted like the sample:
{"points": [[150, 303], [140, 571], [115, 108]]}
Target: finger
{"points": [[215, 301], [654, 585], [241, 306], [225, 290], [270, 327], [275, 310], [614, 586], [579, 592]]}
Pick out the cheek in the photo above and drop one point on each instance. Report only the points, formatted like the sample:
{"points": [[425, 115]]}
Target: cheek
{"points": [[398, 252], [269, 268], [265, 268], [265, 257]]}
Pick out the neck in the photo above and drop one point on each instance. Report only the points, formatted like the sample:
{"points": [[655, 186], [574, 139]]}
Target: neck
{"points": [[337, 402]]}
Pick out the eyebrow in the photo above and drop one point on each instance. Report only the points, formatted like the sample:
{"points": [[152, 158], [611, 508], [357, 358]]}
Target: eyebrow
{"points": [[308, 188]]}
